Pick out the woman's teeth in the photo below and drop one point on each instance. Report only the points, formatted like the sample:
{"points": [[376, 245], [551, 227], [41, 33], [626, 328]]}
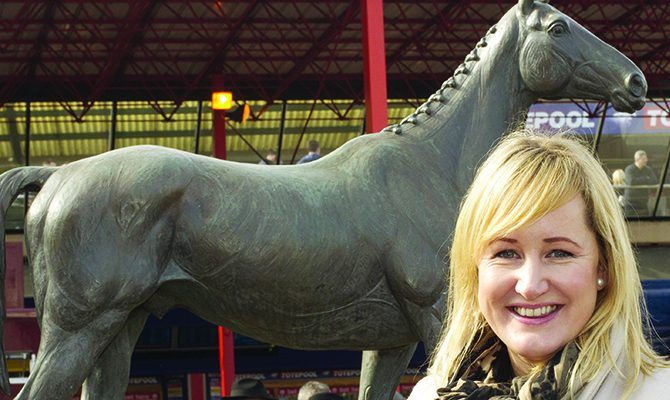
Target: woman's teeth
{"points": [[534, 312]]}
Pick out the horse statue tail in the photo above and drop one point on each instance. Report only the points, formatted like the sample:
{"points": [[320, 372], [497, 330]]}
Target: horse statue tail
{"points": [[11, 183]]}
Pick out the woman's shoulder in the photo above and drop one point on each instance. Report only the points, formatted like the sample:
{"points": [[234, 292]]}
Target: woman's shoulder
{"points": [[425, 389], [653, 385]]}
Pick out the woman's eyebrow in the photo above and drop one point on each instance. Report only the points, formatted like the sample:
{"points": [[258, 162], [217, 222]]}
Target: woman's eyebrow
{"points": [[505, 239], [555, 239]]}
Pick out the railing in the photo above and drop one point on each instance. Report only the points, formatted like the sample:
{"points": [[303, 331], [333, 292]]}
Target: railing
{"points": [[658, 202]]}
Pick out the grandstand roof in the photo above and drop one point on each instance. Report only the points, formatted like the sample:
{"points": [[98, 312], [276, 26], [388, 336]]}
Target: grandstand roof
{"points": [[71, 58], [77, 50]]}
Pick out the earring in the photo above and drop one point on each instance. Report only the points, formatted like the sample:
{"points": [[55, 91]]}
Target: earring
{"points": [[600, 282]]}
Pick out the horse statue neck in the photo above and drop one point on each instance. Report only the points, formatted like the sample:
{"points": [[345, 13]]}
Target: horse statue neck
{"points": [[475, 106]]}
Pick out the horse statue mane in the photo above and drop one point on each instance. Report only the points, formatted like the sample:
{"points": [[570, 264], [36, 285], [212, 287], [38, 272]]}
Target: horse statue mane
{"points": [[442, 95], [346, 252]]}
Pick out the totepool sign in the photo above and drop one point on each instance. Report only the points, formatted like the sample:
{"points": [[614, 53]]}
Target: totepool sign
{"points": [[561, 116], [568, 116]]}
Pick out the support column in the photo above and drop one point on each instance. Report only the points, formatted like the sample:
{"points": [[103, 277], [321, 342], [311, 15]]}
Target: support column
{"points": [[374, 65], [21, 332], [218, 123], [14, 274], [196, 386], [111, 138], [226, 360], [226, 347]]}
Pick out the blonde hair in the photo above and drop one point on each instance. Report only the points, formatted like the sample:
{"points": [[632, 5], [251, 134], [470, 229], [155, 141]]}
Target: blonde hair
{"points": [[527, 175], [311, 388], [618, 177]]}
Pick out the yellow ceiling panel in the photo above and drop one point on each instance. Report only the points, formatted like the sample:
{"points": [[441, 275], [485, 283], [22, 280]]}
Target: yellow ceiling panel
{"points": [[64, 132]]}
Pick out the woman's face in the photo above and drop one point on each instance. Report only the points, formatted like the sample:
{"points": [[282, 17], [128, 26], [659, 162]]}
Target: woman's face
{"points": [[537, 286]]}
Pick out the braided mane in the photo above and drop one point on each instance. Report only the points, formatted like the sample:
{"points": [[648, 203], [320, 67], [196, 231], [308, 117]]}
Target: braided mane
{"points": [[441, 96]]}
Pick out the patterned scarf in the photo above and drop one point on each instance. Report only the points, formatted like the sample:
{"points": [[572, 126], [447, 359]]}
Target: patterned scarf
{"points": [[487, 374]]}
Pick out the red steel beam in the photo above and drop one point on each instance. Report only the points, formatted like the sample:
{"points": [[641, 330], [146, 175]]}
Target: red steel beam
{"points": [[333, 32], [374, 65], [226, 344], [27, 69], [129, 35], [215, 62]]}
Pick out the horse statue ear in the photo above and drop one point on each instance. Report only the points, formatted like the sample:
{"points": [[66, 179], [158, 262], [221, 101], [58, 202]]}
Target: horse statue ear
{"points": [[525, 6]]}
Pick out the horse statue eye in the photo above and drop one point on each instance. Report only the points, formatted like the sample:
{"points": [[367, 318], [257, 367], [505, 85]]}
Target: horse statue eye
{"points": [[558, 29]]}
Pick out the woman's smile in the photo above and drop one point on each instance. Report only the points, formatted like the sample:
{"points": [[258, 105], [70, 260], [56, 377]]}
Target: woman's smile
{"points": [[535, 315], [535, 312]]}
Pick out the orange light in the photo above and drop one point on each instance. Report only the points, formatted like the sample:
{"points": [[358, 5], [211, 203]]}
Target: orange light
{"points": [[222, 100]]}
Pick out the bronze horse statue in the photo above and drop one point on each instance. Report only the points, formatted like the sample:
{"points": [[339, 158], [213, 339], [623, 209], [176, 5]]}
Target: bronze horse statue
{"points": [[346, 252]]}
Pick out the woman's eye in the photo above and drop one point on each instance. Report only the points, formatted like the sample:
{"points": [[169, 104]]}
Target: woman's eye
{"points": [[558, 29], [560, 254], [506, 254]]}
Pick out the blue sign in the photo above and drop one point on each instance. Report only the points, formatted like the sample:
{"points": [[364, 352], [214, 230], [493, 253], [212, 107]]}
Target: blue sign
{"points": [[562, 117], [652, 118]]}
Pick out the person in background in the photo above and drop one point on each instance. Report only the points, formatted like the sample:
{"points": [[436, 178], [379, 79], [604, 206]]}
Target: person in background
{"points": [[618, 181], [544, 297], [270, 158], [636, 174], [311, 388], [314, 152], [618, 177], [248, 389]]}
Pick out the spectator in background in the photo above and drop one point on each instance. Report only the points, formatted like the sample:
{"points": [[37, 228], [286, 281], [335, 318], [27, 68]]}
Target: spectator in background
{"points": [[248, 389], [618, 181], [270, 158], [618, 177], [312, 388], [636, 174], [314, 152]]}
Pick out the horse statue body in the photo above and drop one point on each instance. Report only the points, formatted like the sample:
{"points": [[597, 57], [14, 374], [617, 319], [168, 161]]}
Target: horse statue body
{"points": [[346, 252]]}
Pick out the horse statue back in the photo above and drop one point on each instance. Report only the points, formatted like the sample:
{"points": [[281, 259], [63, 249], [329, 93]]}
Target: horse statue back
{"points": [[346, 252]]}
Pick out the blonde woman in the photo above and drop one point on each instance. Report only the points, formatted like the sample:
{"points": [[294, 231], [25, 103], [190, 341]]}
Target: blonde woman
{"points": [[618, 177], [619, 180], [544, 295]]}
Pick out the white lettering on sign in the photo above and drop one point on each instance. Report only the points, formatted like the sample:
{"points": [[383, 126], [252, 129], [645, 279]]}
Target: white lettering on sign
{"points": [[347, 373], [297, 375], [559, 119], [143, 381], [657, 117]]}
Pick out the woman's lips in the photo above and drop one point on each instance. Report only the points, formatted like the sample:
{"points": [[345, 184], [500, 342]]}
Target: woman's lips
{"points": [[535, 315], [535, 311]]}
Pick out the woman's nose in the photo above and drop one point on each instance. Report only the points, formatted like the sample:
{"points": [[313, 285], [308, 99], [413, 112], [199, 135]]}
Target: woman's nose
{"points": [[531, 281]]}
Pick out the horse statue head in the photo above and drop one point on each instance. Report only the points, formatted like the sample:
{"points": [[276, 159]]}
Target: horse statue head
{"points": [[559, 58], [533, 52]]}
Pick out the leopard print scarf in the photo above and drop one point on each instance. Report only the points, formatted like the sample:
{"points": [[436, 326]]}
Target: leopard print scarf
{"points": [[487, 374]]}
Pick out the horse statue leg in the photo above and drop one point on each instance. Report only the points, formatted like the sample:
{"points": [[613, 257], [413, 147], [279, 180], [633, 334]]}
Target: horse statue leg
{"points": [[67, 353], [381, 371], [108, 379], [427, 321], [87, 321]]}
